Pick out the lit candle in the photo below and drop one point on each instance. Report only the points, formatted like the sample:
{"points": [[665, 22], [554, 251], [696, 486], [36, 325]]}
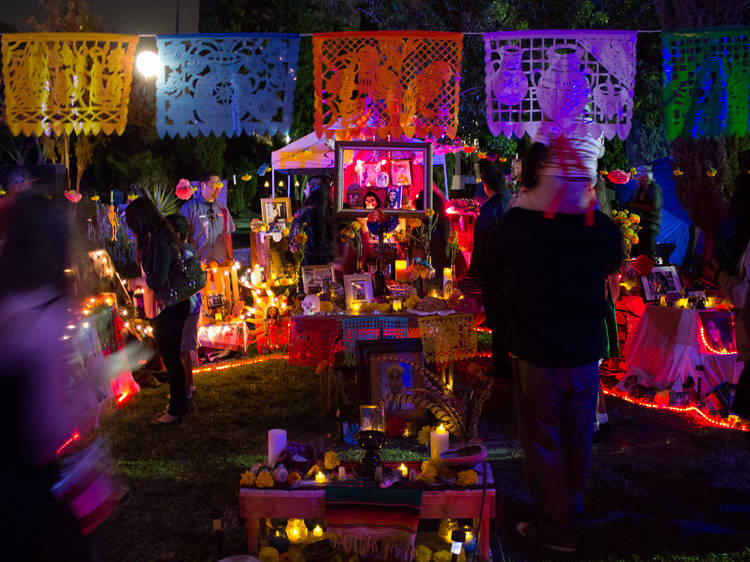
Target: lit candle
{"points": [[400, 266], [318, 531], [404, 470], [439, 441], [276, 444], [355, 308], [396, 305], [320, 478]]}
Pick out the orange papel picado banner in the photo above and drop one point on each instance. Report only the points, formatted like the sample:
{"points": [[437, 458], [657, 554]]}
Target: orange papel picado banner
{"points": [[387, 83], [67, 82]]}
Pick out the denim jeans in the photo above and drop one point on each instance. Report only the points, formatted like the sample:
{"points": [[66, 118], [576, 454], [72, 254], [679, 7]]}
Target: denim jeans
{"points": [[555, 409], [168, 334]]}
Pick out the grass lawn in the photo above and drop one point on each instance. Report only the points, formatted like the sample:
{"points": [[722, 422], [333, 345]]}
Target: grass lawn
{"points": [[662, 486]]}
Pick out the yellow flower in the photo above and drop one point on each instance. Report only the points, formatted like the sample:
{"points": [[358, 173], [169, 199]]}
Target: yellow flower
{"points": [[711, 172], [635, 218], [264, 480], [247, 478], [677, 172], [355, 225], [428, 476], [313, 471], [331, 460], [429, 212], [351, 234], [467, 478], [423, 554], [293, 477], [247, 177], [268, 554], [285, 231], [300, 238], [218, 184], [95, 198], [424, 434]]}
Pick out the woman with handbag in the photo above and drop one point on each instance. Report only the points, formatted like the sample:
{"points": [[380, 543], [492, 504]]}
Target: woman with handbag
{"points": [[157, 248]]}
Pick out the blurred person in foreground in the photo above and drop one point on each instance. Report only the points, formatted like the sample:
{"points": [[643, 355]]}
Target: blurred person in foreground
{"points": [[157, 246], [552, 271], [37, 417], [498, 197]]}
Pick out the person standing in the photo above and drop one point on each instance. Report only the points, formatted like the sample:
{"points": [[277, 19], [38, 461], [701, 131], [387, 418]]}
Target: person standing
{"points": [[492, 209], [646, 202], [189, 345], [157, 246], [315, 219], [553, 270], [737, 289], [210, 223]]}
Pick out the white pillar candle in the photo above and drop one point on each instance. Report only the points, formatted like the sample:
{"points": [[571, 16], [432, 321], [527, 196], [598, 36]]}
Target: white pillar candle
{"points": [[439, 441], [342, 473], [276, 444]]}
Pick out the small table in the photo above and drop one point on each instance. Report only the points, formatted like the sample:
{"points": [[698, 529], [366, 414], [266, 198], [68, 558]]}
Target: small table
{"points": [[307, 503], [666, 346]]}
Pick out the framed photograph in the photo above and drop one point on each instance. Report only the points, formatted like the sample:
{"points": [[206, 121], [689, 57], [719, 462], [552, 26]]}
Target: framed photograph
{"points": [[401, 172], [369, 175], [386, 366], [378, 167], [393, 197], [662, 280], [276, 210], [717, 332], [317, 278], [357, 289], [353, 196]]}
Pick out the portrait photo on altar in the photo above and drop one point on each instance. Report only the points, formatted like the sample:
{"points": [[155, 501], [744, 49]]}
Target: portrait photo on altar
{"points": [[717, 331], [276, 210], [393, 198], [388, 366], [317, 278], [357, 289], [663, 280]]}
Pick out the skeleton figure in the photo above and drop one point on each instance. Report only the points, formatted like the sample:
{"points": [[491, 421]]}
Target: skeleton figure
{"points": [[112, 216]]}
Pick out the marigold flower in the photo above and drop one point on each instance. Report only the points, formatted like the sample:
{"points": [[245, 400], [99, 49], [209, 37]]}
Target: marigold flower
{"points": [[467, 478], [355, 225], [264, 480], [331, 460], [247, 478], [424, 435], [429, 212], [293, 477]]}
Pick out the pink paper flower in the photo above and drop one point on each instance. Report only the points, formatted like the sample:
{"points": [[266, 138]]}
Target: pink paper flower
{"points": [[73, 196], [184, 190], [619, 176]]}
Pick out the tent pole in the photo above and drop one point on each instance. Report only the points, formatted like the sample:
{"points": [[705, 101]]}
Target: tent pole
{"points": [[288, 185], [445, 182], [273, 183]]}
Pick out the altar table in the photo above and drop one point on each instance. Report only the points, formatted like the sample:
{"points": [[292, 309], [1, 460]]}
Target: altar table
{"points": [[666, 347], [308, 503]]}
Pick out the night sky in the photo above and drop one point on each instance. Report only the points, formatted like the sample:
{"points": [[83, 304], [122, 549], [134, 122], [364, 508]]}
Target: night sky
{"points": [[118, 16]]}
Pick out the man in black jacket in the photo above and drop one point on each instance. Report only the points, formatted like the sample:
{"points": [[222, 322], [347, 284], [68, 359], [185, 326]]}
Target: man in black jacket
{"points": [[553, 271], [481, 259]]}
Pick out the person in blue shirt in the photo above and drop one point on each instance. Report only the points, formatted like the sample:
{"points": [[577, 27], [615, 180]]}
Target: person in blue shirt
{"points": [[210, 223]]}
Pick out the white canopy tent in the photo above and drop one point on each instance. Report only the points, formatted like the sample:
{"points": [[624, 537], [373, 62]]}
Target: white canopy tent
{"points": [[313, 155]]}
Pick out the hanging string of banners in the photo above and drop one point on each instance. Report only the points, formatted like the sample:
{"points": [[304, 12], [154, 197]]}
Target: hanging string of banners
{"points": [[230, 84], [387, 84], [67, 82]]}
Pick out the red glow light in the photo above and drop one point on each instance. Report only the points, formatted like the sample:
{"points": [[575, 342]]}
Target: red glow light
{"points": [[240, 363], [73, 437], [693, 410]]}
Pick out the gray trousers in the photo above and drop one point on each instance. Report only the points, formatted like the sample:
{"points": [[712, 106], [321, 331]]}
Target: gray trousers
{"points": [[556, 408]]}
